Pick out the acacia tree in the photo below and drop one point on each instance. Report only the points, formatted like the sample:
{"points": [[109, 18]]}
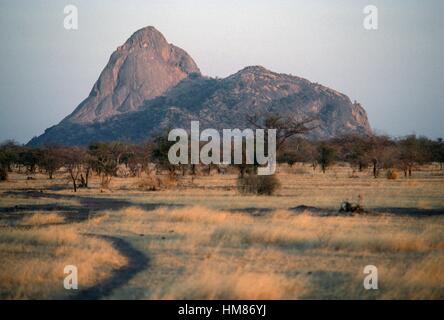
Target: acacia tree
{"points": [[104, 159], [134, 159], [73, 159], [89, 162], [326, 156], [353, 149], [50, 160], [159, 147], [289, 157], [413, 151], [29, 158], [8, 156], [377, 151], [3, 165], [298, 149], [286, 127], [437, 152], [309, 152]]}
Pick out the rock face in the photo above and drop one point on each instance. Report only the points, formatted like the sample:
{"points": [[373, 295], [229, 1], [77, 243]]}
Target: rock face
{"points": [[150, 86], [143, 68]]}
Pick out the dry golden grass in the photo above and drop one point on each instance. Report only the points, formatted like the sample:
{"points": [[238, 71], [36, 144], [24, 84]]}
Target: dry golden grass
{"points": [[32, 261], [210, 283], [38, 219], [211, 248], [13, 200], [422, 280], [203, 253]]}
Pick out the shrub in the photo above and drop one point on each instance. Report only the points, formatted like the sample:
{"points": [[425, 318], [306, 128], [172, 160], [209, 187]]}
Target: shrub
{"points": [[150, 183], [254, 184], [392, 175], [351, 207], [155, 183]]}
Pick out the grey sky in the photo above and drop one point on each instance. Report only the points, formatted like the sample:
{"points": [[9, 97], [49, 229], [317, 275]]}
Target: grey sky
{"points": [[396, 72]]}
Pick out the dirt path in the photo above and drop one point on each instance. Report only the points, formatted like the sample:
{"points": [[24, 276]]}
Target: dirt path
{"points": [[73, 213], [137, 262]]}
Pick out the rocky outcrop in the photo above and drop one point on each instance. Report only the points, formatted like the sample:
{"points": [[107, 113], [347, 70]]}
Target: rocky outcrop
{"points": [[141, 69], [150, 86]]}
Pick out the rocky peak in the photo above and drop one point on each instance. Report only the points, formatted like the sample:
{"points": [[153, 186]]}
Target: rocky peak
{"points": [[253, 72], [253, 69], [145, 37], [150, 85], [143, 68]]}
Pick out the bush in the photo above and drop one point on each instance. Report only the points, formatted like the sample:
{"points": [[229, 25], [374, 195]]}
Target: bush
{"points": [[351, 207], [150, 183], [254, 184], [156, 183], [392, 175]]}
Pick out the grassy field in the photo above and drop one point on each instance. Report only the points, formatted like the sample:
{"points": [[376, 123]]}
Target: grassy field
{"points": [[200, 239]]}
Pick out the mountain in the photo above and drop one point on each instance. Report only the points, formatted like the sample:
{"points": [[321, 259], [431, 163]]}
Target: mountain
{"points": [[150, 86], [143, 68]]}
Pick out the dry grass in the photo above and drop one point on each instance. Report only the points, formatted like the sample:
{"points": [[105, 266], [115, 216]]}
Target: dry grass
{"points": [[209, 283], [422, 280], [211, 248], [39, 219], [203, 253], [32, 261]]}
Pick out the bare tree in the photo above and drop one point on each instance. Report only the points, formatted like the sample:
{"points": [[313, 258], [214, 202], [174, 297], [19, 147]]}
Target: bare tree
{"points": [[286, 127], [72, 159], [377, 150]]}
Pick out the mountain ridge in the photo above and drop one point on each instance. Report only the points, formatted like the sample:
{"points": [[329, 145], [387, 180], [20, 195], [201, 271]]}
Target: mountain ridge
{"points": [[127, 80], [150, 85]]}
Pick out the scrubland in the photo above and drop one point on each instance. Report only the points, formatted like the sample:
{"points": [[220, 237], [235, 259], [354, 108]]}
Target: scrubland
{"points": [[205, 241]]}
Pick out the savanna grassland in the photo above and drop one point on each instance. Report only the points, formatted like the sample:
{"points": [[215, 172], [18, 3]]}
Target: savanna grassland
{"points": [[199, 238]]}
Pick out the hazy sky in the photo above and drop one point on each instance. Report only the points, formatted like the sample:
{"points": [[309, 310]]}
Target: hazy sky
{"points": [[395, 72]]}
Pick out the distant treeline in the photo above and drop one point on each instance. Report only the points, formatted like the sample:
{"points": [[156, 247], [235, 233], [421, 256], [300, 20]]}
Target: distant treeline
{"points": [[376, 152]]}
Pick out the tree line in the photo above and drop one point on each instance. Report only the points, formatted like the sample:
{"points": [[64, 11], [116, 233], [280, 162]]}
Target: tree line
{"points": [[361, 152], [374, 152]]}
